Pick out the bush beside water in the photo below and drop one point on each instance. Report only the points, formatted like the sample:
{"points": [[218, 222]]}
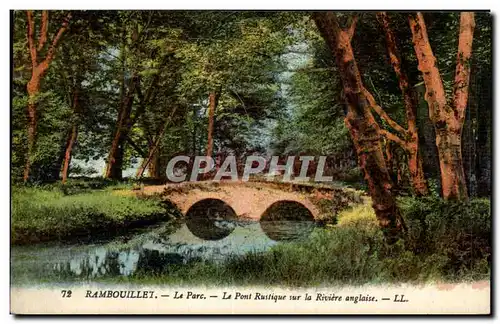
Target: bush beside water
{"points": [[55, 212]]}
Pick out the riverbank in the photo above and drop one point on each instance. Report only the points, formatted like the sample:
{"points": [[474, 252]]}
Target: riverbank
{"points": [[441, 245], [445, 241], [48, 213], [338, 256], [88, 209]]}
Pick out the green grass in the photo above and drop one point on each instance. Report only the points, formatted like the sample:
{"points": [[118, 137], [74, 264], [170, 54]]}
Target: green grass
{"points": [[51, 213], [361, 215]]}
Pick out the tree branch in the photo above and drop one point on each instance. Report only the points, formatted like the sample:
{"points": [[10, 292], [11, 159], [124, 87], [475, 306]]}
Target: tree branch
{"points": [[136, 147], [43, 29], [52, 49], [31, 40], [383, 114], [404, 84], [154, 148], [434, 89], [462, 72], [392, 137], [142, 104], [352, 26]]}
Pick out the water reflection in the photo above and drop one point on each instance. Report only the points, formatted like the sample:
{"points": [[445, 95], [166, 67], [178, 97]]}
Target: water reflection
{"points": [[210, 231], [287, 220], [211, 219], [103, 262]]}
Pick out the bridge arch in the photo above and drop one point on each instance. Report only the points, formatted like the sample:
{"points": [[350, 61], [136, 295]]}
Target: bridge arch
{"points": [[207, 219], [287, 220], [247, 201]]}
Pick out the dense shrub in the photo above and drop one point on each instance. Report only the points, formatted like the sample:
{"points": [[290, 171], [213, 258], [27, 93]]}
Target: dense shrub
{"points": [[459, 231]]}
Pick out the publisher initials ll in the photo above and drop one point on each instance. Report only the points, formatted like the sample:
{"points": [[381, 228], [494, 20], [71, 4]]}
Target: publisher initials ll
{"points": [[400, 299]]}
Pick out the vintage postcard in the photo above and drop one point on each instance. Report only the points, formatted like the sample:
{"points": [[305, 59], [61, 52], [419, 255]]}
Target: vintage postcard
{"points": [[251, 162]]}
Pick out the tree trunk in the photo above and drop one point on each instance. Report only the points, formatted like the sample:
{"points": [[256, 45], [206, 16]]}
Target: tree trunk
{"points": [[447, 119], [450, 161], [363, 128], [157, 168], [155, 146], [67, 155], [115, 157], [33, 88], [71, 139], [417, 171], [154, 167], [411, 141], [145, 162], [213, 100]]}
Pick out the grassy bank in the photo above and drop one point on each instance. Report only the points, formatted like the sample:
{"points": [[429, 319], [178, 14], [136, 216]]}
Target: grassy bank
{"points": [[77, 210], [445, 242]]}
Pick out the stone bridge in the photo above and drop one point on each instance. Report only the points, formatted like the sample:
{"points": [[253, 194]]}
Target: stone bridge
{"points": [[248, 199]]}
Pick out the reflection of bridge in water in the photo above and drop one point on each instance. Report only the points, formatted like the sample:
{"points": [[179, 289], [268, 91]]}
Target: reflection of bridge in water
{"points": [[213, 219]]}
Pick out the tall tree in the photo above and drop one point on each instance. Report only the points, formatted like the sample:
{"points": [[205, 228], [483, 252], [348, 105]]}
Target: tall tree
{"points": [[362, 125], [447, 116], [407, 138], [39, 66]]}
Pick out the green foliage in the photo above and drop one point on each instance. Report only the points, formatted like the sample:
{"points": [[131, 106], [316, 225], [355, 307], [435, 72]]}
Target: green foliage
{"points": [[359, 215], [40, 214], [279, 89], [275, 77], [460, 231]]}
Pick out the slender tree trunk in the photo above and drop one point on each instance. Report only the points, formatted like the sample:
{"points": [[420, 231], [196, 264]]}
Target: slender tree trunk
{"points": [[447, 119], [213, 100], [152, 155], [146, 161], [193, 139], [155, 146], [411, 142], [67, 155], [33, 88], [362, 125], [157, 167], [71, 139]]}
